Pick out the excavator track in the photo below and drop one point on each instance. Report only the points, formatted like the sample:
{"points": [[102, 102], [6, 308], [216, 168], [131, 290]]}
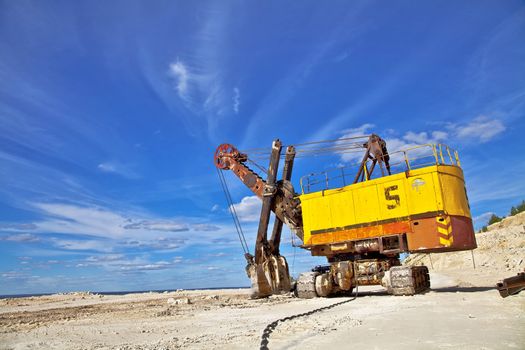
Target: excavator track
{"points": [[408, 280], [305, 287]]}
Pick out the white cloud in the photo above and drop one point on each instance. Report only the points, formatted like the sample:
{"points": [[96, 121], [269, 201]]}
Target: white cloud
{"points": [[236, 100], [420, 138], [482, 219], [408, 140], [105, 257], [157, 225], [107, 167], [179, 72], [121, 263], [16, 226], [205, 227], [73, 219], [482, 129], [21, 238], [248, 209], [355, 132], [111, 231], [161, 243], [89, 244], [439, 135], [118, 168]]}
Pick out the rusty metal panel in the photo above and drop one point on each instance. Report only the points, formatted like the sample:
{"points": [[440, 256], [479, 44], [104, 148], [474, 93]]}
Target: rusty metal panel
{"points": [[512, 285], [441, 233]]}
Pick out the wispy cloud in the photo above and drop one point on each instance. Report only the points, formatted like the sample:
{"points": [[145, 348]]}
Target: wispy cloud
{"points": [[83, 220], [236, 99], [119, 169], [17, 226], [482, 219], [180, 74], [121, 263], [98, 245], [160, 243], [481, 129], [152, 225], [20, 237], [99, 221]]}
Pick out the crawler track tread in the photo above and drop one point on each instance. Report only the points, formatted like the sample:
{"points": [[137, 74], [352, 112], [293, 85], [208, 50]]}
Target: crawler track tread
{"points": [[305, 287]]}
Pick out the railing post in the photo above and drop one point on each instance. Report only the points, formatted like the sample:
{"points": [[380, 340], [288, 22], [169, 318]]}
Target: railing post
{"points": [[434, 150], [457, 158], [441, 154], [308, 178], [449, 155]]}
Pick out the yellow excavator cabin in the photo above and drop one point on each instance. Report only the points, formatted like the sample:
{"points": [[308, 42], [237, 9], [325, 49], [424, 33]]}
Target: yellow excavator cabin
{"points": [[421, 209]]}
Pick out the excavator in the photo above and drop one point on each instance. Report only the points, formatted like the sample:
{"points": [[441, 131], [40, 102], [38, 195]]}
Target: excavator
{"points": [[361, 218]]}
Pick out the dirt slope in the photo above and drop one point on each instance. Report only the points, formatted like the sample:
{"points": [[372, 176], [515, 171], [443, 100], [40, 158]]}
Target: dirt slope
{"points": [[500, 254]]}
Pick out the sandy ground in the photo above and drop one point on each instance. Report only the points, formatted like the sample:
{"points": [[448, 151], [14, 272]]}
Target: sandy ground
{"points": [[463, 310], [457, 313]]}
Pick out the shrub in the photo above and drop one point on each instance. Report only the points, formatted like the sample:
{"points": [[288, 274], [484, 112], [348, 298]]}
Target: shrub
{"points": [[516, 210], [493, 219]]}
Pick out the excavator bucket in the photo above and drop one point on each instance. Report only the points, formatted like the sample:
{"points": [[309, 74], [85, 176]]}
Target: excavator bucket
{"points": [[270, 277]]}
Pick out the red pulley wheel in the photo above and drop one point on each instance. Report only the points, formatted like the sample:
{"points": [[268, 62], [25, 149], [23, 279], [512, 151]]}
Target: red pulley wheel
{"points": [[222, 155]]}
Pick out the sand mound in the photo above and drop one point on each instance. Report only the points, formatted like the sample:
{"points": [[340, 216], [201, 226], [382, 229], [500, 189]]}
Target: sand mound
{"points": [[500, 250], [515, 220]]}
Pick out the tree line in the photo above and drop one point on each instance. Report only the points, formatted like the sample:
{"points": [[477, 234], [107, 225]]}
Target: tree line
{"points": [[513, 211]]}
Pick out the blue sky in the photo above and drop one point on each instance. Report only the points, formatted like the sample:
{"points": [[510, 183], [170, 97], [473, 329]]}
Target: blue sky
{"points": [[110, 113]]}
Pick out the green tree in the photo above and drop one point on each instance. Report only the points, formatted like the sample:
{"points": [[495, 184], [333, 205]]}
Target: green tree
{"points": [[518, 209], [521, 207], [493, 219]]}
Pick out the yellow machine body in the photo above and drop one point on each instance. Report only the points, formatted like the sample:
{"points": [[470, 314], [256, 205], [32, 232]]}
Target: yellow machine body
{"points": [[427, 207]]}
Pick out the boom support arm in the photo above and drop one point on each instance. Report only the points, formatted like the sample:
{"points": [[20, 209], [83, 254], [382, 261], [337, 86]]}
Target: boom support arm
{"points": [[286, 207], [268, 270]]}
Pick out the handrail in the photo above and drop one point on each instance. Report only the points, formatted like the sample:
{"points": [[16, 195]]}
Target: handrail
{"points": [[404, 160]]}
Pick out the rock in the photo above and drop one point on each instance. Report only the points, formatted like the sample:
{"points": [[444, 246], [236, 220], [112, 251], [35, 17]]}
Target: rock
{"points": [[212, 297], [181, 301]]}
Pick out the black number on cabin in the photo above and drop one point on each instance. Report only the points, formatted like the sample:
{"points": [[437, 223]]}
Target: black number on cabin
{"points": [[392, 197]]}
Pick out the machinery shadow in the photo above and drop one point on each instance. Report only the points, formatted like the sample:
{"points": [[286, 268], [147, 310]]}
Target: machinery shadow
{"points": [[455, 289], [463, 289]]}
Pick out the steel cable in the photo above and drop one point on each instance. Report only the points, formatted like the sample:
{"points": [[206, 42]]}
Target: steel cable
{"points": [[265, 338], [233, 212]]}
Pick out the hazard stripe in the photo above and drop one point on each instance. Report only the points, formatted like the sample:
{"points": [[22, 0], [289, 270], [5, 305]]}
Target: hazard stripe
{"points": [[446, 242], [444, 229]]}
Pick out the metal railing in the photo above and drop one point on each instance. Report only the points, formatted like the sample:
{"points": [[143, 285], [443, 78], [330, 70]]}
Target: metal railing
{"points": [[400, 161]]}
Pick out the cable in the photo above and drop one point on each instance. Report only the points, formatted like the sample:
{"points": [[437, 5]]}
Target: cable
{"points": [[261, 168], [233, 212], [334, 140], [265, 338]]}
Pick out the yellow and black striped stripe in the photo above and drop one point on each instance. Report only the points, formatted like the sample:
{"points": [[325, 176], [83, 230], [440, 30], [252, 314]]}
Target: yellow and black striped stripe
{"points": [[444, 227]]}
